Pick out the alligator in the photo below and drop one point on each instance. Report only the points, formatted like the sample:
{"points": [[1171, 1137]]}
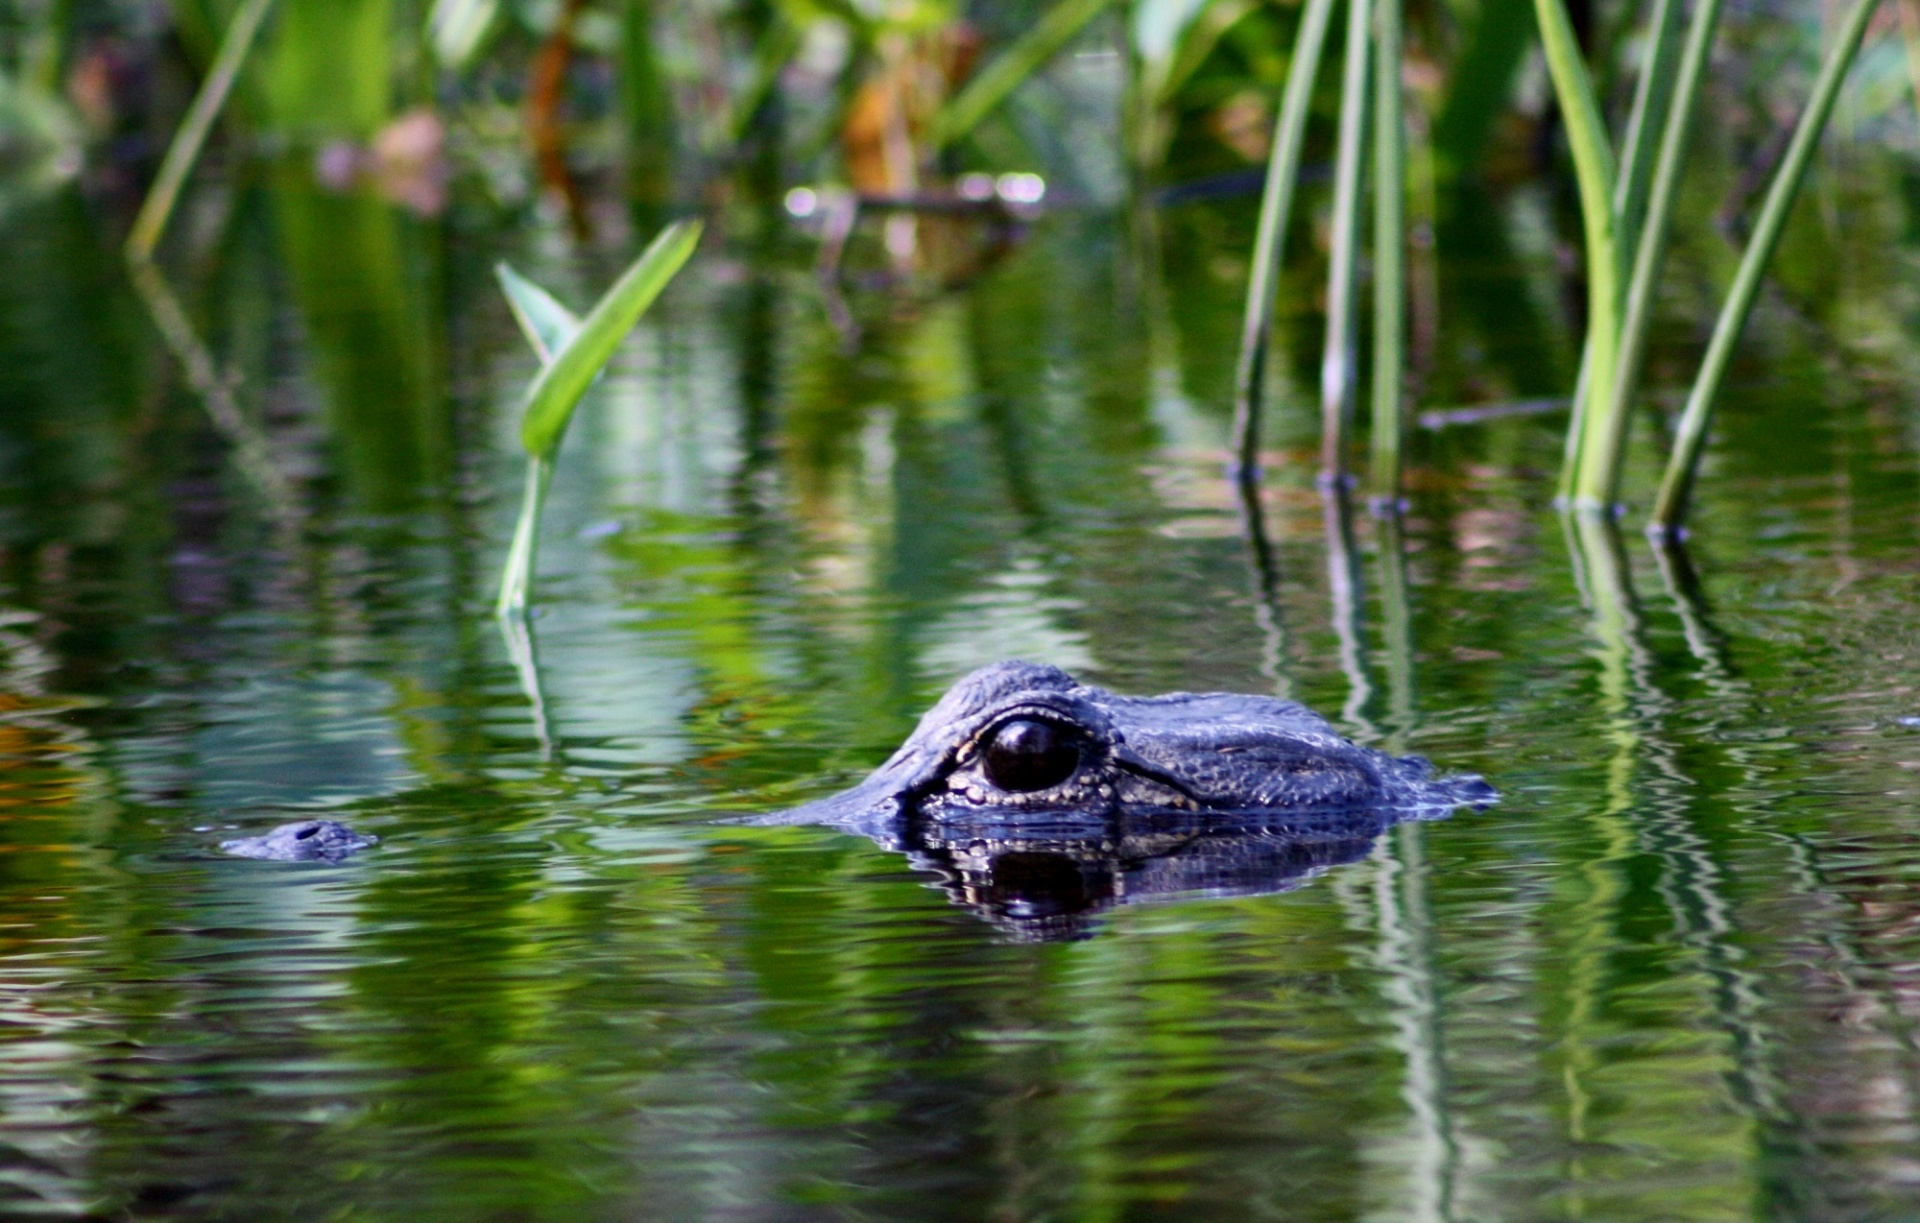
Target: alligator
{"points": [[302, 841], [1041, 801]]}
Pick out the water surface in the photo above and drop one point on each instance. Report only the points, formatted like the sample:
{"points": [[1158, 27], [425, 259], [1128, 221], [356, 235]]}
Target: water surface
{"points": [[1672, 975]]}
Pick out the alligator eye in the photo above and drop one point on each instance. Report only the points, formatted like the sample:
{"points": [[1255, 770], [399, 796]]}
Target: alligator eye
{"points": [[1027, 755]]}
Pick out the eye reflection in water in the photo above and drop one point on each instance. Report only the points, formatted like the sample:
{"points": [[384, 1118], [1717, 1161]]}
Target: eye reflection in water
{"points": [[1043, 888]]}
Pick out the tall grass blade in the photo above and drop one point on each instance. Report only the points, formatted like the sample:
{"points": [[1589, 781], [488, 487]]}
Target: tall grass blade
{"points": [[562, 381], [1343, 273], [1389, 254], [1676, 488], [459, 29], [647, 112], [157, 209], [1651, 97], [1593, 169], [329, 71], [1652, 94], [572, 353], [1276, 202], [548, 325], [1650, 253], [996, 82], [774, 50]]}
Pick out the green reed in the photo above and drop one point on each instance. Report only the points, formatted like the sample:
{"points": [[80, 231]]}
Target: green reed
{"points": [[1652, 96], [1337, 372], [1599, 473], [1276, 204], [1676, 487], [1389, 254], [573, 353], [191, 136], [1593, 168]]}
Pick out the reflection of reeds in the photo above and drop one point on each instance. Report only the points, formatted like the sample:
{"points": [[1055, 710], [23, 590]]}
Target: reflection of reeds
{"points": [[215, 389], [1267, 613], [1404, 952], [1346, 591], [1659, 824], [1401, 921]]}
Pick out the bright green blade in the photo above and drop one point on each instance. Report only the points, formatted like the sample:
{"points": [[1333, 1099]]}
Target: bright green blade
{"points": [[564, 379], [548, 325], [460, 29]]}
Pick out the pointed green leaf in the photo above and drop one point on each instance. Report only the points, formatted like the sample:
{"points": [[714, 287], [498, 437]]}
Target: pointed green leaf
{"points": [[563, 380], [548, 325], [461, 29]]}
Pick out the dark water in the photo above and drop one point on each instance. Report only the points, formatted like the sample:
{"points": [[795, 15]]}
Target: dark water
{"points": [[1675, 974]]}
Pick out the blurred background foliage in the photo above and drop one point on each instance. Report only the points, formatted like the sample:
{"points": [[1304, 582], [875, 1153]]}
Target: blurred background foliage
{"points": [[369, 138], [598, 102]]}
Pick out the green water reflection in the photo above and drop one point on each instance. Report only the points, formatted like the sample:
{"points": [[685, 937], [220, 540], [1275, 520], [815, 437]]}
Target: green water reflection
{"points": [[1670, 976]]}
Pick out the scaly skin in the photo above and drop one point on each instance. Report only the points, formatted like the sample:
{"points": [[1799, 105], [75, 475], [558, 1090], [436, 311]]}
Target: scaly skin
{"points": [[302, 841], [1182, 762], [1181, 795]]}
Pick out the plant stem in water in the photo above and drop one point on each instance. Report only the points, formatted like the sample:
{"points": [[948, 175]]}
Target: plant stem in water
{"points": [[1676, 488], [1389, 254], [1343, 273], [1651, 96], [516, 580], [1650, 254], [157, 209], [1593, 172], [1276, 201]]}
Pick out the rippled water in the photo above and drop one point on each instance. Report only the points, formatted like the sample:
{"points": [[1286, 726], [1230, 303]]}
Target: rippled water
{"points": [[1674, 974]]}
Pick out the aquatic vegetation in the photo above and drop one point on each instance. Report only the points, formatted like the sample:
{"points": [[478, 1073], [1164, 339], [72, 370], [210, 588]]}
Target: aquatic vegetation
{"points": [[573, 352], [1593, 167], [191, 136], [1389, 252], [1670, 510], [1337, 361], [1644, 205], [1269, 243]]}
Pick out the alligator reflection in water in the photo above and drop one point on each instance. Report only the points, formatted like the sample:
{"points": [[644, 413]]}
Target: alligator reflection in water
{"points": [[1044, 801], [1045, 888]]}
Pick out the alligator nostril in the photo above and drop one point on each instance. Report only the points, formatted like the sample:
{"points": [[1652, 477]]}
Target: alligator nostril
{"points": [[1027, 755]]}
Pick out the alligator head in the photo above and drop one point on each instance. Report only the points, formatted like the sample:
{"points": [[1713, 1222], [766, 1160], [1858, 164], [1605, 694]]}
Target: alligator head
{"points": [[1032, 793]]}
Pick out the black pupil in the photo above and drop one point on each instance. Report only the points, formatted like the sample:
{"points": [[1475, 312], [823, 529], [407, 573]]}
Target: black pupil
{"points": [[1026, 755]]}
